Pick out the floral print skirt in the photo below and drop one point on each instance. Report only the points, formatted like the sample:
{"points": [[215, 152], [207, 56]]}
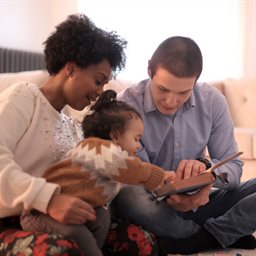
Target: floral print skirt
{"points": [[126, 239], [123, 239]]}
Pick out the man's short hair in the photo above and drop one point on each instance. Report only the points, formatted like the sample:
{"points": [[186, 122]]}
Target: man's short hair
{"points": [[180, 56]]}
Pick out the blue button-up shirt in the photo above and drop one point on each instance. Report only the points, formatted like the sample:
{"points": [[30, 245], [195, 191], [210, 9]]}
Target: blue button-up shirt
{"points": [[202, 122]]}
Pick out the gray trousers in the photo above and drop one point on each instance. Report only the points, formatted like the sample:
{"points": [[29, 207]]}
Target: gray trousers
{"points": [[90, 237], [228, 216]]}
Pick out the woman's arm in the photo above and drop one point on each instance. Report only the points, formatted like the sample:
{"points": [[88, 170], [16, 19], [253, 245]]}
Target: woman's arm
{"points": [[19, 190]]}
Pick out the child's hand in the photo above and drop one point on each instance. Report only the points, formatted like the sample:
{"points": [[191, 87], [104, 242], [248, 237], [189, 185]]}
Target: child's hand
{"points": [[169, 177]]}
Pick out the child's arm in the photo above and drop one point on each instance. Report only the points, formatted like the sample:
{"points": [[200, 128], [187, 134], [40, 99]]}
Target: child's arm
{"points": [[108, 159]]}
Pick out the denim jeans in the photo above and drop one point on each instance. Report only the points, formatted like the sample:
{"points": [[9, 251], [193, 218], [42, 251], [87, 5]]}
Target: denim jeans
{"points": [[228, 216], [135, 204]]}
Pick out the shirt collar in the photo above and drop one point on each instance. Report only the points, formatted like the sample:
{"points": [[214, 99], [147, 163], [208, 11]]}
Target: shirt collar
{"points": [[190, 102], [149, 105]]}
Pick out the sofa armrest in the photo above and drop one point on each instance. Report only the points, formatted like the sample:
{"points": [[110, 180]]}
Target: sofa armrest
{"points": [[36, 76], [246, 142]]}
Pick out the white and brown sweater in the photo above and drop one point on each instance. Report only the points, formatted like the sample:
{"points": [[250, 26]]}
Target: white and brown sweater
{"points": [[96, 168]]}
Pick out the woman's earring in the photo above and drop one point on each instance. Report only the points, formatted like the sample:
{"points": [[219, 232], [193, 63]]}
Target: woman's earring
{"points": [[69, 73]]}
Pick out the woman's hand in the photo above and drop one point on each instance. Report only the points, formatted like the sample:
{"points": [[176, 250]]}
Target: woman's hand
{"points": [[70, 210]]}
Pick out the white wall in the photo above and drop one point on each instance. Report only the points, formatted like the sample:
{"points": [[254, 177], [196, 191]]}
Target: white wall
{"points": [[249, 12], [25, 24], [214, 25]]}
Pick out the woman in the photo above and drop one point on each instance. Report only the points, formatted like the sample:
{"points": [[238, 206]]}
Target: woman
{"points": [[35, 133]]}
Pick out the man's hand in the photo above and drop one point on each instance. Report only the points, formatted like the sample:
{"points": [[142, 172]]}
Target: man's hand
{"points": [[188, 168], [184, 203], [70, 210]]}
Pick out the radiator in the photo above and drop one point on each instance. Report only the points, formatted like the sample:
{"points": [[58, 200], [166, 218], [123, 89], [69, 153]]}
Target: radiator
{"points": [[12, 60]]}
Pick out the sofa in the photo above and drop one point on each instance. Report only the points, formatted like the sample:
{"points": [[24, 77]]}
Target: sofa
{"points": [[240, 94]]}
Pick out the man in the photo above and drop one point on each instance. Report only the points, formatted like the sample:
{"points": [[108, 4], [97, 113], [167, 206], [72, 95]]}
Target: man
{"points": [[182, 118]]}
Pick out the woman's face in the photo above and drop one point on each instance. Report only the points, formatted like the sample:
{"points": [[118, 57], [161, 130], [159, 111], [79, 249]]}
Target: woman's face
{"points": [[84, 85]]}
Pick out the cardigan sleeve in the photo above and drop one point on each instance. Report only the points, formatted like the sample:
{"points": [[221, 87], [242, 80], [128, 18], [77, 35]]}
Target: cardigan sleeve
{"points": [[108, 159], [19, 190]]}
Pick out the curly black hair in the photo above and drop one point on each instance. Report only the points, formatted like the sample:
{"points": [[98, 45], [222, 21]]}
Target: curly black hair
{"points": [[108, 115], [77, 39]]}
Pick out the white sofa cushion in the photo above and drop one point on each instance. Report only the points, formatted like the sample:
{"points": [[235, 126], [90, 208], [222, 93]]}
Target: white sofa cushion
{"points": [[246, 142], [118, 84], [240, 95], [38, 77]]}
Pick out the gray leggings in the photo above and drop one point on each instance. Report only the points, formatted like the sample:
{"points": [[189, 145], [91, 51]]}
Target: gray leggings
{"points": [[90, 237]]}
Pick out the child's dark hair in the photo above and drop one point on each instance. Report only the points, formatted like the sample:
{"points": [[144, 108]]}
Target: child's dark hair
{"points": [[108, 115]]}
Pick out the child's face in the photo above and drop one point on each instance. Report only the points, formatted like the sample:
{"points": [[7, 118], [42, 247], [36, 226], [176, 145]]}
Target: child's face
{"points": [[129, 140]]}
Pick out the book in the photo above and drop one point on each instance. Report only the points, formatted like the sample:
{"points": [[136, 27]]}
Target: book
{"points": [[193, 183]]}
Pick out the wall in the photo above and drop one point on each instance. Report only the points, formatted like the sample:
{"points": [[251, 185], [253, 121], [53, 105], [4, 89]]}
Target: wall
{"points": [[25, 24], [217, 27], [249, 17], [21, 20]]}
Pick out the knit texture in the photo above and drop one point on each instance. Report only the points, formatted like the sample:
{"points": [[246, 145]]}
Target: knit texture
{"points": [[33, 136], [96, 168]]}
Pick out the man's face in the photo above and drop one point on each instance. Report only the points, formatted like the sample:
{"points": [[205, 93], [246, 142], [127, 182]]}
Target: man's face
{"points": [[170, 92]]}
